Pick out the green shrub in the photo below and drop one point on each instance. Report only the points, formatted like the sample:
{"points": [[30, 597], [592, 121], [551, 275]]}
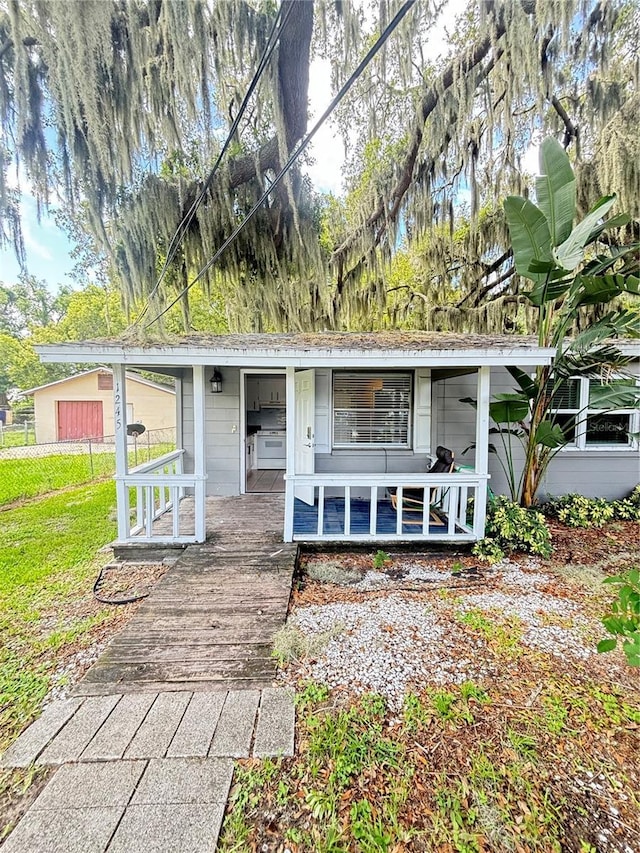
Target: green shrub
{"points": [[511, 528], [628, 509], [579, 511], [623, 618]]}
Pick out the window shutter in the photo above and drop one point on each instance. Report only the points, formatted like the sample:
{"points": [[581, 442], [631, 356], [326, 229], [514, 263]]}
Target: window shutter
{"points": [[422, 416], [323, 412]]}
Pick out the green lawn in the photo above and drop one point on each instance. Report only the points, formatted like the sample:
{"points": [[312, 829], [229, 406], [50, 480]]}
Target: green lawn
{"points": [[47, 611], [17, 436], [28, 478]]}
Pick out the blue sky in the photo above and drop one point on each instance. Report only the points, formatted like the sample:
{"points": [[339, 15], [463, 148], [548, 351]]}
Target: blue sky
{"points": [[47, 249]]}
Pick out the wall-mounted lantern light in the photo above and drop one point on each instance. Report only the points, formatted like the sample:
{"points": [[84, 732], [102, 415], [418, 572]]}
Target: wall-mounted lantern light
{"points": [[216, 382]]}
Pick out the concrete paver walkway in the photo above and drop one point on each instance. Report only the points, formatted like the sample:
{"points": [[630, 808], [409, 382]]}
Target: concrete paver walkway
{"points": [[143, 772], [144, 754]]}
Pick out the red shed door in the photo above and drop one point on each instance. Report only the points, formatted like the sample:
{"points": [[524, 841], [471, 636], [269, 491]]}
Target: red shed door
{"points": [[79, 419]]}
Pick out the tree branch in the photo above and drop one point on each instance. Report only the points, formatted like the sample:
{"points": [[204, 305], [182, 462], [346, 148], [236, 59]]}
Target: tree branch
{"points": [[487, 271], [571, 130], [386, 213], [28, 41]]}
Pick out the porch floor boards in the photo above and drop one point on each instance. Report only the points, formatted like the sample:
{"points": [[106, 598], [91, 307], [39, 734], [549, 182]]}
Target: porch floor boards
{"points": [[209, 622]]}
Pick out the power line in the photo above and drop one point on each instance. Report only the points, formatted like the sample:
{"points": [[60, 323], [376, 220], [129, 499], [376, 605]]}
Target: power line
{"points": [[303, 144], [181, 230]]}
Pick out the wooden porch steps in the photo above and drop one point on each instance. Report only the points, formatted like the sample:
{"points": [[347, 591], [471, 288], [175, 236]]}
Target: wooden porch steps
{"points": [[210, 621]]}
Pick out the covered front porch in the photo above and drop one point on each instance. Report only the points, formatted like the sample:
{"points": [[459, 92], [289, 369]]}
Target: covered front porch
{"points": [[330, 518], [363, 416], [161, 502]]}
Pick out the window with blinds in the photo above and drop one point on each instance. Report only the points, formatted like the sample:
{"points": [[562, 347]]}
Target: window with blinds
{"points": [[585, 427], [371, 409]]}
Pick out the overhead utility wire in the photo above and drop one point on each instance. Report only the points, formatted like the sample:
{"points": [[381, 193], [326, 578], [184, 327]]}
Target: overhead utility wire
{"points": [[177, 238], [303, 144]]}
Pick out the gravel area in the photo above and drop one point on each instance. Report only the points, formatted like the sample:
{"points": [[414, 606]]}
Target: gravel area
{"points": [[380, 580], [392, 643], [536, 610], [67, 676], [386, 646]]}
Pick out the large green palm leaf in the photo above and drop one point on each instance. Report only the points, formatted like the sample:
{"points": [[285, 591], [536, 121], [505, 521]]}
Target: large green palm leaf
{"points": [[530, 237], [556, 190]]}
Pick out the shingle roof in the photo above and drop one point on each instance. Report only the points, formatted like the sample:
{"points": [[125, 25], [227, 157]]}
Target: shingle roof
{"points": [[384, 340]]}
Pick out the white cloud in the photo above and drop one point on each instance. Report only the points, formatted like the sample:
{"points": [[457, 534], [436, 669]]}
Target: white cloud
{"points": [[31, 243]]}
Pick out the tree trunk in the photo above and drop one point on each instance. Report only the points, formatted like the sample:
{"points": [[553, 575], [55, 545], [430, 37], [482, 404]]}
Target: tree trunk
{"points": [[535, 461]]}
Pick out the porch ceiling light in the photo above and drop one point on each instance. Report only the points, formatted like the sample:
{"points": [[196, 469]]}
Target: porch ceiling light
{"points": [[216, 382]]}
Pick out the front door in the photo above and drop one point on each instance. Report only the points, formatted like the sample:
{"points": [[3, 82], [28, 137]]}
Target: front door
{"points": [[304, 459]]}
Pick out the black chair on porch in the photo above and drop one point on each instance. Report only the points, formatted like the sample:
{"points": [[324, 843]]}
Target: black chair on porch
{"points": [[413, 499]]}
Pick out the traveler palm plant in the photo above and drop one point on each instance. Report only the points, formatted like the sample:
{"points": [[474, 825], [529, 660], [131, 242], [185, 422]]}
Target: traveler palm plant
{"points": [[570, 267]]}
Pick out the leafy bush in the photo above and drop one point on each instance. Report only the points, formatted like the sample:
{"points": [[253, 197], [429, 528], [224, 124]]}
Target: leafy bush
{"points": [[578, 511], [628, 509], [623, 619], [511, 528]]}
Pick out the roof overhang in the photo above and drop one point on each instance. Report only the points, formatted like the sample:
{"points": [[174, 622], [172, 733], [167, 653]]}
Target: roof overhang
{"points": [[157, 356], [132, 376]]}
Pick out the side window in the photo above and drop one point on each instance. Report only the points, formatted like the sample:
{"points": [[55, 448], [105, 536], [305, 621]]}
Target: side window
{"points": [[584, 424]]}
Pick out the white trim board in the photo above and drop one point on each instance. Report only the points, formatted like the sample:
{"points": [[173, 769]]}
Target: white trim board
{"points": [[272, 358]]}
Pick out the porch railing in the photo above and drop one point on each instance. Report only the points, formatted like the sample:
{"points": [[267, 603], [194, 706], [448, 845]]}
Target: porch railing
{"points": [[154, 490], [459, 499]]}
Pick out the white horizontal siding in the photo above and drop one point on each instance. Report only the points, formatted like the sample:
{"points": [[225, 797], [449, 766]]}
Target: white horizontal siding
{"points": [[603, 473]]}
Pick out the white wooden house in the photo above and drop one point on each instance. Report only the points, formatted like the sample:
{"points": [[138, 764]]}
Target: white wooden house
{"points": [[334, 420]]}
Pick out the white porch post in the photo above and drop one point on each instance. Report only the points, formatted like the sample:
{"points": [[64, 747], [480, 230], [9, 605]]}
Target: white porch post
{"points": [[199, 452], [179, 413], [122, 458], [291, 448], [482, 449]]}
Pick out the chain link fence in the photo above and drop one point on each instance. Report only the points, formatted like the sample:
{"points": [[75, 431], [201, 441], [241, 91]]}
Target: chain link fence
{"points": [[17, 435], [36, 469]]}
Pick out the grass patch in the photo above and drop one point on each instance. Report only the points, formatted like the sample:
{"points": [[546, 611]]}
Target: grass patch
{"points": [[290, 643], [343, 751], [458, 770], [504, 638], [47, 611], [28, 478]]}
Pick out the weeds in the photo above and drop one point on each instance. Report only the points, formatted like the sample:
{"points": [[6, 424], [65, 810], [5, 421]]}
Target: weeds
{"points": [[290, 643], [505, 639], [380, 559], [342, 749]]}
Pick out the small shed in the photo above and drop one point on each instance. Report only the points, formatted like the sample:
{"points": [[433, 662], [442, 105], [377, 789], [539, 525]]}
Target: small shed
{"points": [[82, 406]]}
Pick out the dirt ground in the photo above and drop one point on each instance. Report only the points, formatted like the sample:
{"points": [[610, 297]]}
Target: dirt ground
{"points": [[527, 739]]}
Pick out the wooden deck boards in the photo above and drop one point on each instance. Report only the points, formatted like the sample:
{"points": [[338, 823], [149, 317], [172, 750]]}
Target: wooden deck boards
{"points": [[210, 621]]}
